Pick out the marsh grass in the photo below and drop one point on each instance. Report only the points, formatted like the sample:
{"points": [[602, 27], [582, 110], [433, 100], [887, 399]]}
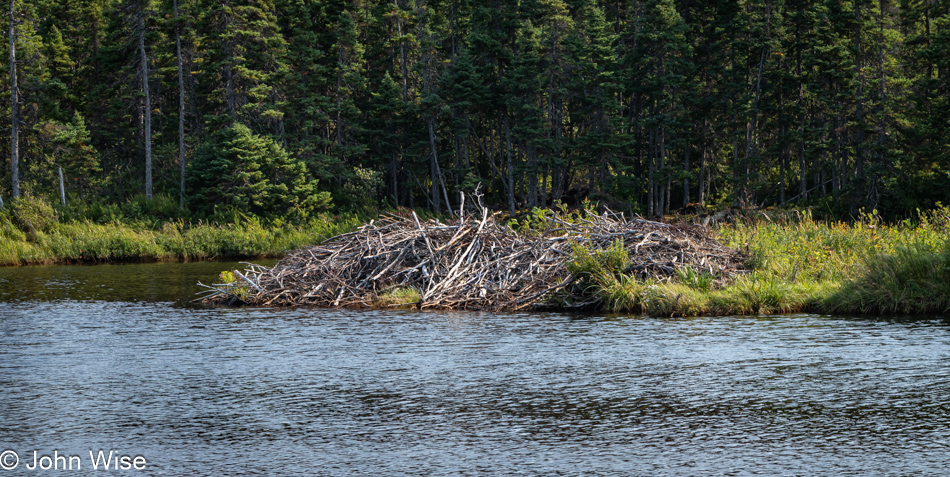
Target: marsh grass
{"points": [[800, 264], [806, 265], [87, 241], [915, 278]]}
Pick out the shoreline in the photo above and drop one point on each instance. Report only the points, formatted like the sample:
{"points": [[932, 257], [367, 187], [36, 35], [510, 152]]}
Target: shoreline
{"points": [[801, 265], [792, 265], [85, 242]]}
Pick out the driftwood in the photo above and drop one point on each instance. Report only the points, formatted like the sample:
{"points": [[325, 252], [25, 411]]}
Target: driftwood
{"points": [[472, 263]]}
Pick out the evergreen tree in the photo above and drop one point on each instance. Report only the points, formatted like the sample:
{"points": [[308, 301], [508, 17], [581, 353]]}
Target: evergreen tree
{"points": [[239, 171], [657, 103]]}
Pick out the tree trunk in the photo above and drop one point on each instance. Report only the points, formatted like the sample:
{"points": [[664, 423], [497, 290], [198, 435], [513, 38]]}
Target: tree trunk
{"points": [[402, 55], [434, 169], [62, 188], [511, 168], [532, 152], [181, 105], [783, 156], [751, 127], [664, 188], [229, 80], [859, 109], [339, 102], [803, 182], [14, 111], [882, 125], [686, 176], [651, 168], [557, 185], [147, 104], [802, 168], [702, 168], [735, 159], [781, 177]]}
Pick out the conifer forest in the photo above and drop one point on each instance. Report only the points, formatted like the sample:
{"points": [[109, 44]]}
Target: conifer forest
{"points": [[284, 108]]}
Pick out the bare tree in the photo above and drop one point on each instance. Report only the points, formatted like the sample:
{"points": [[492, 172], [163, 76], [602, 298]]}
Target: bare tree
{"points": [[147, 104], [181, 105], [15, 110]]}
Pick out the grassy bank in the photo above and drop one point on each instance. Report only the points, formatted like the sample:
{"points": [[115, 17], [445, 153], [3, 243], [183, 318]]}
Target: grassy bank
{"points": [[795, 263], [807, 265], [31, 237]]}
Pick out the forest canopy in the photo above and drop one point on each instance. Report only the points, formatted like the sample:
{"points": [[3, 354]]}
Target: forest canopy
{"points": [[276, 106]]}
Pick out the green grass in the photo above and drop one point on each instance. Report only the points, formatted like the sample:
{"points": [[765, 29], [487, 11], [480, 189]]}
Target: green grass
{"points": [[805, 265], [915, 278], [87, 241], [401, 297]]}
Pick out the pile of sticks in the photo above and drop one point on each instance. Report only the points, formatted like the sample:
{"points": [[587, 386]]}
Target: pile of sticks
{"points": [[471, 263]]}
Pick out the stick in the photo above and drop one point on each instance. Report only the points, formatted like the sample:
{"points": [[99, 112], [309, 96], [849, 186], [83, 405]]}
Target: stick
{"points": [[248, 280]]}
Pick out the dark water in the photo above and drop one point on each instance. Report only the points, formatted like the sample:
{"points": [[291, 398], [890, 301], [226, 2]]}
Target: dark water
{"points": [[103, 358]]}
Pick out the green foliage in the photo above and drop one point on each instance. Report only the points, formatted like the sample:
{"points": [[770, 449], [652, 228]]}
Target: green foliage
{"points": [[239, 171], [33, 214], [161, 207], [125, 239], [600, 273], [914, 278], [829, 104], [239, 288], [363, 189], [599, 265], [137, 209], [535, 222], [648, 106]]}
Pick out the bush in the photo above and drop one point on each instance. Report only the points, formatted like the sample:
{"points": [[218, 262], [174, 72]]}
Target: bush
{"points": [[600, 267]]}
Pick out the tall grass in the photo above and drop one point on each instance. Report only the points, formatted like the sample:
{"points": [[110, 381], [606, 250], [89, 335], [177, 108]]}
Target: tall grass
{"points": [[807, 265], [914, 278], [84, 240]]}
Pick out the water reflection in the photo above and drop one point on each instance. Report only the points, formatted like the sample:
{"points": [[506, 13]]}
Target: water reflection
{"points": [[164, 281], [321, 392]]}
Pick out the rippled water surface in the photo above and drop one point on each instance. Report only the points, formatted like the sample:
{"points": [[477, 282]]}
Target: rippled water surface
{"points": [[109, 357]]}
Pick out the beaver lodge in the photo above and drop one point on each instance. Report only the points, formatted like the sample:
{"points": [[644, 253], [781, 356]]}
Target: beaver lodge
{"points": [[475, 263]]}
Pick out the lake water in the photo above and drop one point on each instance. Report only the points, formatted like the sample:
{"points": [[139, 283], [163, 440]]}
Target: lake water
{"points": [[111, 357]]}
